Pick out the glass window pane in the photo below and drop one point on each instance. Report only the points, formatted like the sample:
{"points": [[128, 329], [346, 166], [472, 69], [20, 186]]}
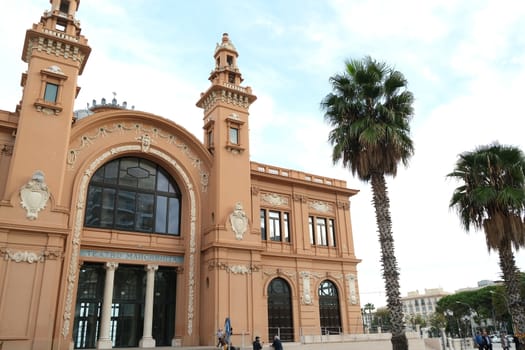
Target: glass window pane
{"points": [[161, 214], [147, 175], [321, 231], [98, 176], [331, 229], [174, 215], [111, 173], [125, 210], [144, 213], [162, 182], [275, 225], [93, 205], [286, 228], [311, 229], [125, 178], [234, 136], [50, 95], [108, 207], [263, 224]]}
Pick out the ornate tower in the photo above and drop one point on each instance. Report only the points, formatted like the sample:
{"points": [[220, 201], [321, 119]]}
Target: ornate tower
{"points": [[55, 53], [229, 238], [226, 132]]}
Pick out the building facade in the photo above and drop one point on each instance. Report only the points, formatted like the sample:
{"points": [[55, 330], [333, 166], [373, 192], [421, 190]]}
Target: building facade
{"points": [[119, 228], [422, 304]]}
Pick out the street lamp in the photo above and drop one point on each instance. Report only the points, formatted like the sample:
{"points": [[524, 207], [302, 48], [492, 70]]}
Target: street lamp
{"points": [[472, 313]]}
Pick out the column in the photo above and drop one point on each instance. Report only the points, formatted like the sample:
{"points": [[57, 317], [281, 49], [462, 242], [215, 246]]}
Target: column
{"points": [[104, 342], [147, 340]]}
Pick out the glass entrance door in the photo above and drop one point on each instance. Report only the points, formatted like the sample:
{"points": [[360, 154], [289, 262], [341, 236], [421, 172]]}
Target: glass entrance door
{"points": [[127, 311], [280, 320], [89, 304]]}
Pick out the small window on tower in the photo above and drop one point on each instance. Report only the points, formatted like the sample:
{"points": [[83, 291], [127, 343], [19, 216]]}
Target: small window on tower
{"points": [[51, 93], [64, 6], [234, 136], [229, 59], [231, 78], [233, 127]]}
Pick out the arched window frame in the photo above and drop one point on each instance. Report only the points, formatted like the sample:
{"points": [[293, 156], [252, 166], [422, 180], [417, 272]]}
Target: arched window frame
{"points": [[146, 194]]}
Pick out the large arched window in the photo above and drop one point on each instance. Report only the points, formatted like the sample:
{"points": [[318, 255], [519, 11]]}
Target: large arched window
{"points": [[133, 194], [329, 312]]}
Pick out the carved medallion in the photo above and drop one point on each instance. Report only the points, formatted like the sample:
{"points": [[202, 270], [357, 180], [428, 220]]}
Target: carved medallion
{"points": [[239, 221], [34, 195]]}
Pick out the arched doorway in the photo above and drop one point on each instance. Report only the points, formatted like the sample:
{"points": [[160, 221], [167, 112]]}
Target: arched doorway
{"points": [[135, 195], [280, 319], [329, 311]]}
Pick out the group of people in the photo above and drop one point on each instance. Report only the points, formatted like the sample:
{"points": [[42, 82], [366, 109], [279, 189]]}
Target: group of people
{"points": [[484, 341], [276, 344]]}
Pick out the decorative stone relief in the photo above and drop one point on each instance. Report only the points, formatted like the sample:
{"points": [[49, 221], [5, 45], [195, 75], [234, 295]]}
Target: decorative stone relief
{"points": [[235, 269], [79, 220], [299, 197], [149, 134], [306, 298], [351, 287], [226, 96], [239, 221], [146, 142], [255, 190], [22, 256], [34, 195], [56, 47], [343, 204], [274, 199], [277, 272], [321, 206]]}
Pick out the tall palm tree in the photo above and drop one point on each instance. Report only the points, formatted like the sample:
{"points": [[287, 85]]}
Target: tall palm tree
{"points": [[370, 110], [491, 197]]}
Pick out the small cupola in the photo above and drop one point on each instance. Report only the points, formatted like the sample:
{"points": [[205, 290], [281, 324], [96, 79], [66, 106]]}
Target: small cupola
{"points": [[226, 69]]}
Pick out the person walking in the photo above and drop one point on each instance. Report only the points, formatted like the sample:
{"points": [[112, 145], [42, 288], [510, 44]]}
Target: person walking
{"points": [[277, 345], [257, 343], [487, 342], [479, 340], [505, 343]]}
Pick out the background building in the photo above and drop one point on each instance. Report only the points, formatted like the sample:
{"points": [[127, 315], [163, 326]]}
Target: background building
{"points": [[119, 228], [424, 305]]}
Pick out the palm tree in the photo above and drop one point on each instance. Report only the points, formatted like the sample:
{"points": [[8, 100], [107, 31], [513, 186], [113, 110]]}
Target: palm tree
{"points": [[491, 197], [370, 109]]}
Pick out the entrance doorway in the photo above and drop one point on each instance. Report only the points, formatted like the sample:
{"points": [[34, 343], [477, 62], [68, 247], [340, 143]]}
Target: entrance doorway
{"points": [[127, 311], [280, 320]]}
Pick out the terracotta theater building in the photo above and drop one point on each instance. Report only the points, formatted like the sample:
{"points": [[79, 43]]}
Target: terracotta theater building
{"points": [[119, 228]]}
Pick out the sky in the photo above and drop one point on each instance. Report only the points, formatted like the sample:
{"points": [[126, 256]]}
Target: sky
{"points": [[464, 62]]}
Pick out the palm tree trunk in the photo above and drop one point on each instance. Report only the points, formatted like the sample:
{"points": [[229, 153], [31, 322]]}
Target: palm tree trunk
{"points": [[510, 276], [388, 260]]}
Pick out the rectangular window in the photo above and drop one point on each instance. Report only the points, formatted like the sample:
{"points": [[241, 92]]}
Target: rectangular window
{"points": [[331, 231], [234, 136], [286, 227], [263, 224], [275, 225], [322, 238], [51, 93], [311, 229], [322, 231]]}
